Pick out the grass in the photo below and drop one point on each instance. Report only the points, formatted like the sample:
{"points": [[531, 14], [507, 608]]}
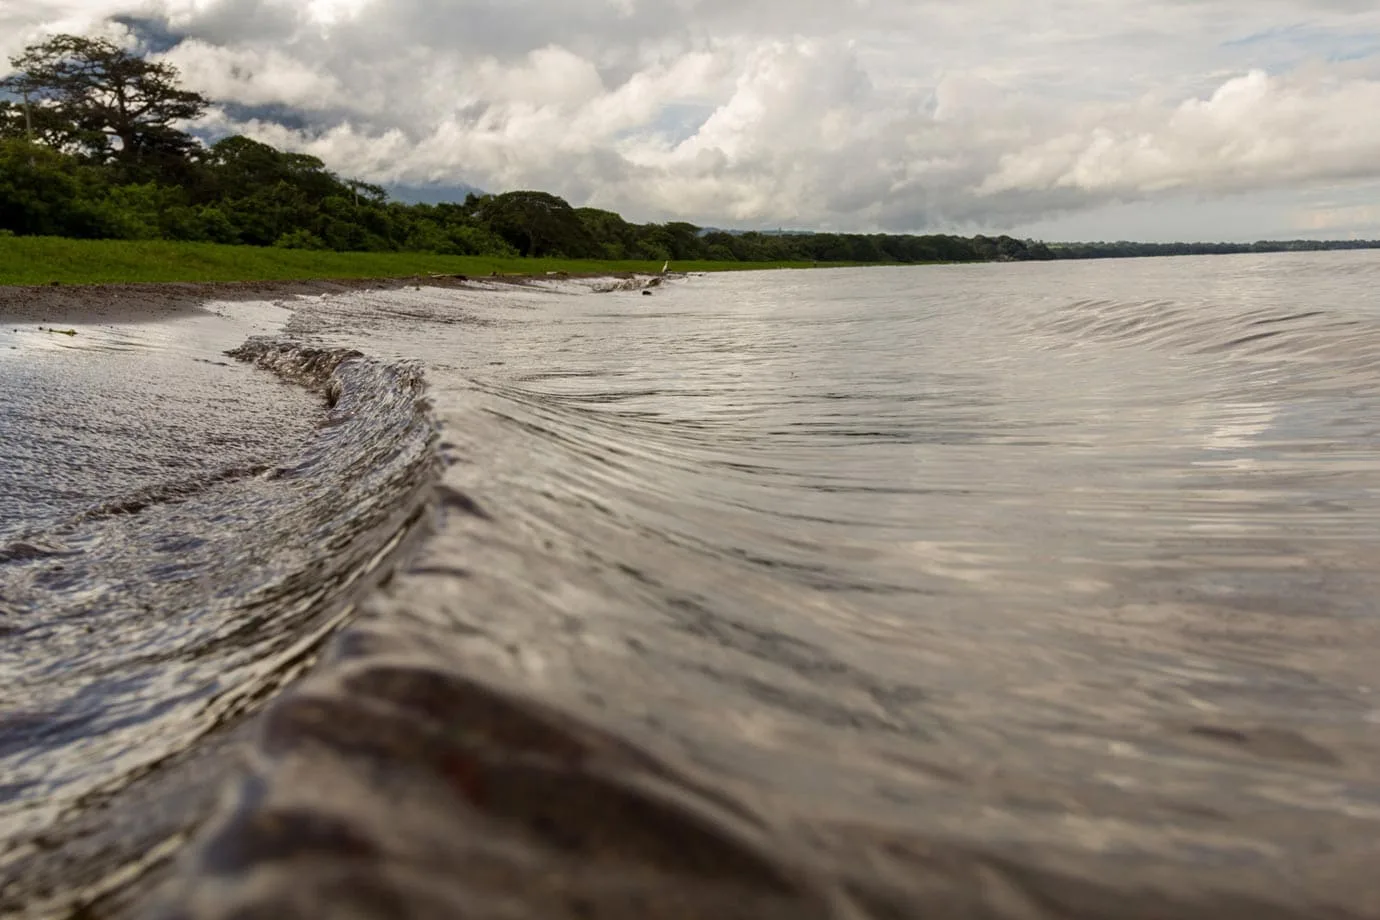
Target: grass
{"points": [[45, 260]]}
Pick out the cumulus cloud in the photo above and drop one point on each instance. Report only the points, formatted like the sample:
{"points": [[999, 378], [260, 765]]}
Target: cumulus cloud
{"points": [[256, 76], [850, 114], [1254, 131]]}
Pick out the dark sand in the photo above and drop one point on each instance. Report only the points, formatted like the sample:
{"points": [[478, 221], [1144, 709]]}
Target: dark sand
{"points": [[153, 301]]}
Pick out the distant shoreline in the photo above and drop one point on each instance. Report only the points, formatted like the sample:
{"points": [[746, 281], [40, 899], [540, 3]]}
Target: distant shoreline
{"points": [[148, 282], [38, 261]]}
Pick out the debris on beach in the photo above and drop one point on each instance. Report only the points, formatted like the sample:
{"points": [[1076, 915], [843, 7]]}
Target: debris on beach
{"points": [[57, 331]]}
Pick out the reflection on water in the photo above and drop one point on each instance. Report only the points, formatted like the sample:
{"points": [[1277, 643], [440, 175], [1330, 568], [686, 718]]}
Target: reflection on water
{"points": [[1003, 590]]}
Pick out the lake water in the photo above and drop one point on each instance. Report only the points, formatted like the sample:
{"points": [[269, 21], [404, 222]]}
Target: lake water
{"points": [[1030, 590]]}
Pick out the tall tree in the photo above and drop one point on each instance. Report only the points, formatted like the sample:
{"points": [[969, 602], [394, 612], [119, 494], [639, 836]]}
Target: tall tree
{"points": [[538, 224], [91, 96]]}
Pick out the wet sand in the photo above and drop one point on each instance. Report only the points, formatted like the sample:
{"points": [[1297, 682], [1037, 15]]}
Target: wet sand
{"points": [[153, 301]]}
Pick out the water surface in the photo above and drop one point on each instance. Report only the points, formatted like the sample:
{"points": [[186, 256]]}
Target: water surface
{"points": [[1002, 590]]}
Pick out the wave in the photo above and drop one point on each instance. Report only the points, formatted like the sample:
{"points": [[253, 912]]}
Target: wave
{"points": [[397, 760], [1334, 337], [675, 647], [206, 596]]}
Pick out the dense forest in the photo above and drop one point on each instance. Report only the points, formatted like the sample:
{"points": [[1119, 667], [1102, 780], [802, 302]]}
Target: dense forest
{"points": [[90, 148]]}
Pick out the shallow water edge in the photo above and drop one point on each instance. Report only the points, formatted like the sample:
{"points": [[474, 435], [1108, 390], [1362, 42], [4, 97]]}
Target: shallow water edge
{"points": [[147, 624]]}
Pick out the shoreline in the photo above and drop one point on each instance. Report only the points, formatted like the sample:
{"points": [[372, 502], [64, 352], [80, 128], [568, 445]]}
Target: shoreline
{"points": [[152, 301]]}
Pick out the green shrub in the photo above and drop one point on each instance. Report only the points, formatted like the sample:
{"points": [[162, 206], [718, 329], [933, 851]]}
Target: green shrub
{"points": [[299, 239]]}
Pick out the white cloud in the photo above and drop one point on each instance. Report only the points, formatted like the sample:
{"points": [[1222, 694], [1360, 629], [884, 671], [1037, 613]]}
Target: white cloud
{"points": [[871, 113], [1254, 132], [255, 76]]}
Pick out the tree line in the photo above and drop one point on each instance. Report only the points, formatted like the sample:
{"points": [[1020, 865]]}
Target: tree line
{"points": [[90, 147]]}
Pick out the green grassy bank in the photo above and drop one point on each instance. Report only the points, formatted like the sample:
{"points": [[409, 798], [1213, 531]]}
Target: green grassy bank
{"points": [[44, 260]]}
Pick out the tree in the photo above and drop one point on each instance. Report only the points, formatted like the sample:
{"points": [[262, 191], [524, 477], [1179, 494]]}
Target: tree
{"points": [[538, 224], [14, 121], [91, 96], [44, 192], [236, 166], [615, 236]]}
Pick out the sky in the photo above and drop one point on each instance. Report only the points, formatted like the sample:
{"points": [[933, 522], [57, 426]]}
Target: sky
{"points": [[1053, 119]]}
